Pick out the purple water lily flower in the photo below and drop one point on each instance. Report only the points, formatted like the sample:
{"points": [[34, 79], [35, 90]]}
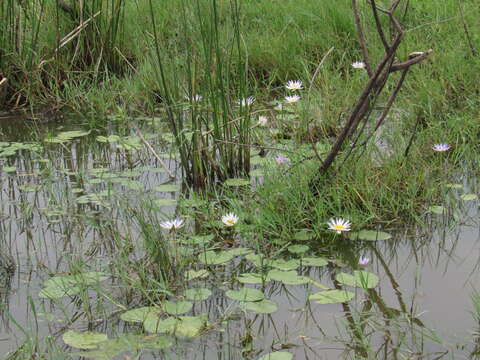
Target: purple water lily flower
{"points": [[441, 147], [363, 261]]}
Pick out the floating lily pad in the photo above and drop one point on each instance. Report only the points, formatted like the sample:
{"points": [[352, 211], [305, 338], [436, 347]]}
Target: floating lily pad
{"points": [[140, 314], [165, 202], [237, 182], [83, 340], [360, 278], [469, 197], [303, 235], [182, 326], [454, 186], [370, 235], [251, 278], [215, 258], [9, 169], [197, 294], [314, 261], [298, 249], [245, 294], [239, 251], [287, 277], [332, 296], [167, 188], [277, 355], [437, 209], [264, 306], [60, 286], [176, 307], [285, 264], [196, 274]]}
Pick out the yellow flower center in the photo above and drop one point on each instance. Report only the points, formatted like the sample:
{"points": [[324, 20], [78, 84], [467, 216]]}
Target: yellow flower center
{"points": [[231, 221], [339, 227]]}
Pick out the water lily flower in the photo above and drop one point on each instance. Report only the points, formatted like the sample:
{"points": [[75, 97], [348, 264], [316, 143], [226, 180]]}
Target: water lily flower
{"points": [[294, 85], [339, 225], [363, 261], [262, 120], [280, 159], [247, 101], [441, 147], [358, 65], [292, 99], [230, 219], [172, 224]]}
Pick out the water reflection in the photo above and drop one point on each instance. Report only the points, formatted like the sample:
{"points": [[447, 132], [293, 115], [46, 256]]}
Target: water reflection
{"points": [[419, 310]]}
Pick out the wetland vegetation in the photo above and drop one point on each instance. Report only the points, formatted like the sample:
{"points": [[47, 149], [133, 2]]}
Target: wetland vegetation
{"points": [[224, 179]]}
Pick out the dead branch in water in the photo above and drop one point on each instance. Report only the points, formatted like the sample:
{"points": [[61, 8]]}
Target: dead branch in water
{"points": [[378, 77]]}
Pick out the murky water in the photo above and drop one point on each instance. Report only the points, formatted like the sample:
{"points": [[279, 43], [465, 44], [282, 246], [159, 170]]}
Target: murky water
{"points": [[420, 309]]}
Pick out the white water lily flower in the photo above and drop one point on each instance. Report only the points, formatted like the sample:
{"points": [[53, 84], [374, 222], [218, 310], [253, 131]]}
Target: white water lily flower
{"points": [[247, 101], [294, 85], [230, 219], [172, 224], [358, 65], [279, 107], [262, 120], [339, 225], [292, 99], [441, 147]]}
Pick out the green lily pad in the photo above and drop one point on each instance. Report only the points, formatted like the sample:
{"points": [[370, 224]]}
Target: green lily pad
{"points": [[237, 182], [454, 186], [197, 294], [287, 277], [314, 261], [165, 202], [83, 340], [245, 294], [167, 188], [239, 251], [215, 258], [360, 278], [285, 264], [332, 296], [250, 278], [176, 307], [69, 285], [9, 169], [298, 249], [437, 209], [370, 235], [277, 355], [199, 239], [469, 197], [196, 274], [264, 306], [303, 235], [139, 314], [182, 326]]}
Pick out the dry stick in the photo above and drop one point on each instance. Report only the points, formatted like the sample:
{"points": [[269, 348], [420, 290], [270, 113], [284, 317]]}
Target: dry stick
{"points": [[152, 150], [317, 70], [379, 25], [361, 38]]}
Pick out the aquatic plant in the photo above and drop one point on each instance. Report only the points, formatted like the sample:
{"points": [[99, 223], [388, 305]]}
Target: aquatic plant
{"points": [[339, 225]]}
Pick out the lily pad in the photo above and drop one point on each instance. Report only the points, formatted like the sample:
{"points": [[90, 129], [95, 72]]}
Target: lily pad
{"points": [[250, 278], [197, 294], [360, 278], [215, 258], [298, 249], [165, 202], [469, 197], [167, 188], [277, 355], [332, 296], [314, 261], [196, 274], [287, 277], [303, 235], [237, 182], [183, 326], [83, 340], [285, 264], [370, 235], [264, 306], [176, 307], [140, 314], [437, 209], [245, 294]]}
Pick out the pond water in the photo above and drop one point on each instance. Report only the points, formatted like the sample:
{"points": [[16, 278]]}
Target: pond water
{"points": [[50, 224]]}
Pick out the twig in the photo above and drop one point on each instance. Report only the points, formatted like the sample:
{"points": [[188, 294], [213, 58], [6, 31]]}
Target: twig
{"points": [[317, 70], [152, 150], [361, 38]]}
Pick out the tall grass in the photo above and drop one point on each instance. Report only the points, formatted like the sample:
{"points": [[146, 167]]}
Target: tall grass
{"points": [[199, 91]]}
